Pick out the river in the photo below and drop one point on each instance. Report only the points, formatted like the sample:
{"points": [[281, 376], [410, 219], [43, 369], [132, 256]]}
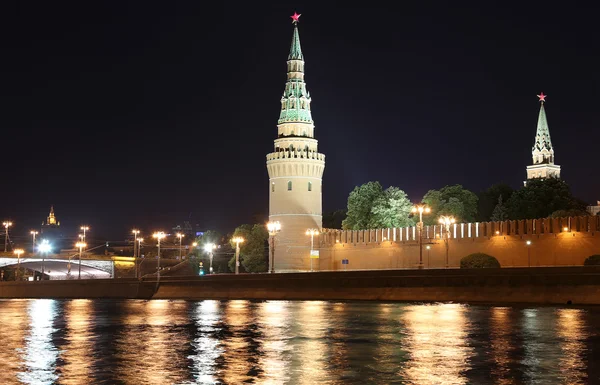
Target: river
{"points": [[285, 342]]}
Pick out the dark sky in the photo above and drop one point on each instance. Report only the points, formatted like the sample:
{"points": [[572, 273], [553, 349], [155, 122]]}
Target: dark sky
{"points": [[127, 114]]}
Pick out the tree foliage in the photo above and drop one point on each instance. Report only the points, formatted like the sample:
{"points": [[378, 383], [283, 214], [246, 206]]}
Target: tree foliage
{"points": [[592, 260], [451, 200], [539, 198], [333, 219], [500, 212], [254, 249], [488, 200], [371, 207]]}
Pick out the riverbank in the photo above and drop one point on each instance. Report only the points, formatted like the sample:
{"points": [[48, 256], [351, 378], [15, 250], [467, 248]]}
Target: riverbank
{"points": [[543, 285]]}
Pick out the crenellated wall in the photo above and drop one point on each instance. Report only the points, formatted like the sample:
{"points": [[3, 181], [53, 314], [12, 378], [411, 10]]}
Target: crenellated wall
{"points": [[553, 242]]}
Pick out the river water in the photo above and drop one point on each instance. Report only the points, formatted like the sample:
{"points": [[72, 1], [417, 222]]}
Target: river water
{"points": [[281, 342]]}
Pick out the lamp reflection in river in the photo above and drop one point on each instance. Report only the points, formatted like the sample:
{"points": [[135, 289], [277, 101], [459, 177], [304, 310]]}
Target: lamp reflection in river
{"points": [[77, 353], [500, 344], [40, 352], [436, 339], [274, 320], [206, 345], [241, 344], [13, 315], [572, 332], [309, 365]]}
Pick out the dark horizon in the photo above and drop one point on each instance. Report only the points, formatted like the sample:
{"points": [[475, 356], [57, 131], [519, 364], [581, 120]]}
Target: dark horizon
{"points": [[136, 116]]}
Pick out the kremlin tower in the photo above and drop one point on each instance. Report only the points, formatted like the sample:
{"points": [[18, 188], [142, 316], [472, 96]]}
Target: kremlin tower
{"points": [[295, 170], [542, 151]]}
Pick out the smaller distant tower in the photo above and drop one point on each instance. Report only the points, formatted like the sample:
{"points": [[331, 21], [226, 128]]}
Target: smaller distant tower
{"points": [[51, 227], [542, 152]]}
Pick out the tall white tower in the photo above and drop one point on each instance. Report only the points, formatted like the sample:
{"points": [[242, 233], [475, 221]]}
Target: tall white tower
{"points": [[295, 169], [542, 152]]}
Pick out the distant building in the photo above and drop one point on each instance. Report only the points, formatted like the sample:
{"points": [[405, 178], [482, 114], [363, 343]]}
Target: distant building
{"points": [[185, 229], [51, 231], [594, 210], [542, 152]]}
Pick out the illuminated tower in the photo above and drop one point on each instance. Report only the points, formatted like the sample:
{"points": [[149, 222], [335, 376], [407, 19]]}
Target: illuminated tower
{"points": [[542, 152], [295, 169]]}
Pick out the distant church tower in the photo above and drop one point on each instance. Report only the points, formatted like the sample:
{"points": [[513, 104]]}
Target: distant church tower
{"points": [[543, 154], [295, 169]]}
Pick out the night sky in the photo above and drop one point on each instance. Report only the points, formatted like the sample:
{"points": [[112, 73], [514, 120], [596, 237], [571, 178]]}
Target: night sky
{"points": [[126, 114]]}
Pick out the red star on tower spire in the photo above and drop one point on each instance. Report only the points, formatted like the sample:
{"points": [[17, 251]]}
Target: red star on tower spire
{"points": [[295, 18], [542, 97]]}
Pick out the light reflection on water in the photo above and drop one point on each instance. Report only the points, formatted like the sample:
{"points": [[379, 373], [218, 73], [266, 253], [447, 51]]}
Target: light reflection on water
{"points": [[281, 342]]}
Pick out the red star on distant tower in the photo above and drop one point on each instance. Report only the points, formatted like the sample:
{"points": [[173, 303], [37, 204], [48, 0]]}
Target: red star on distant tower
{"points": [[542, 97], [295, 18]]}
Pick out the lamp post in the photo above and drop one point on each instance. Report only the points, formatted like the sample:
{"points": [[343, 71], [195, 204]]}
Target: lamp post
{"points": [[18, 252], [237, 241], [44, 248], [33, 234], [447, 221], [180, 236], [528, 244], [312, 233], [6, 225], [81, 246], [158, 235], [135, 233], [421, 209], [84, 228], [209, 247], [273, 228], [138, 265]]}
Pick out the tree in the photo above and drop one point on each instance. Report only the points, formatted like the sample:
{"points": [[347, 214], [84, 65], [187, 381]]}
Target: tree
{"points": [[371, 207], [254, 249], [391, 209], [488, 200], [541, 197], [451, 200], [569, 213], [334, 219], [500, 212]]}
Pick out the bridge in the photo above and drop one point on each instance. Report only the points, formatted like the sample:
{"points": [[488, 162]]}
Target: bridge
{"points": [[58, 268]]}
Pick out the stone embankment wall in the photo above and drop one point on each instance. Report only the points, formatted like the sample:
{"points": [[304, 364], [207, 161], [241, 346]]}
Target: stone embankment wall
{"points": [[542, 285], [553, 242]]}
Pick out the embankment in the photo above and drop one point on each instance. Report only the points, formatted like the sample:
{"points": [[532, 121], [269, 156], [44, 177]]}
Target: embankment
{"points": [[576, 285]]}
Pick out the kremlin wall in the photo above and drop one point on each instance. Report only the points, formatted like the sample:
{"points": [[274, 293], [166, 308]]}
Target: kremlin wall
{"points": [[553, 242]]}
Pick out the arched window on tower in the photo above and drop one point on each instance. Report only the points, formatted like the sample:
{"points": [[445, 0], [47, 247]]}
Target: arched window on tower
{"points": [[309, 186], [272, 186], [289, 185]]}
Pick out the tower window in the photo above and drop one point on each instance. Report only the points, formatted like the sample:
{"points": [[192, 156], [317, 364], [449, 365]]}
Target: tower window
{"points": [[309, 186], [289, 185], [273, 187]]}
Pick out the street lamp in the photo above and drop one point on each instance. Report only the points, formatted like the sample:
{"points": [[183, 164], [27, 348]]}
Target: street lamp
{"points": [[447, 221], [209, 247], [6, 225], [158, 235], [18, 252], [528, 243], [237, 241], [84, 228], [273, 228], [79, 245], [421, 209], [33, 234], [135, 233], [138, 270], [312, 233], [44, 248], [180, 236], [428, 247]]}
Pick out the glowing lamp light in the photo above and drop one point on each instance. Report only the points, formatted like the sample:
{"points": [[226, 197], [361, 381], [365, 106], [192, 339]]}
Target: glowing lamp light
{"points": [[528, 243], [80, 245], [159, 235], [274, 227], [18, 252], [238, 240], [209, 247], [311, 231], [45, 246], [428, 247], [497, 232], [565, 228], [195, 244]]}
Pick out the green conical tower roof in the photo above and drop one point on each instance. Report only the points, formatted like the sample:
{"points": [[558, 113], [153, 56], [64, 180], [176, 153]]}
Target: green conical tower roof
{"points": [[295, 49], [542, 136]]}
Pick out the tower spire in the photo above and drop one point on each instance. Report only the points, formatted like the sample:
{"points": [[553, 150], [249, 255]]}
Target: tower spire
{"points": [[295, 49], [542, 151]]}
